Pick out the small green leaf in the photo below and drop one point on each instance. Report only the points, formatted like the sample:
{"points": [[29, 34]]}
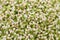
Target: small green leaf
{"points": [[8, 15], [15, 12], [15, 19], [58, 22]]}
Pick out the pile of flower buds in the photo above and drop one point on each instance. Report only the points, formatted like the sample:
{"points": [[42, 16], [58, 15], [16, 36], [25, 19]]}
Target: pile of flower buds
{"points": [[29, 20]]}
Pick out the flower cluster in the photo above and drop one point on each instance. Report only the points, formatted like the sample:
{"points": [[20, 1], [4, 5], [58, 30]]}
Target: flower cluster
{"points": [[29, 20]]}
